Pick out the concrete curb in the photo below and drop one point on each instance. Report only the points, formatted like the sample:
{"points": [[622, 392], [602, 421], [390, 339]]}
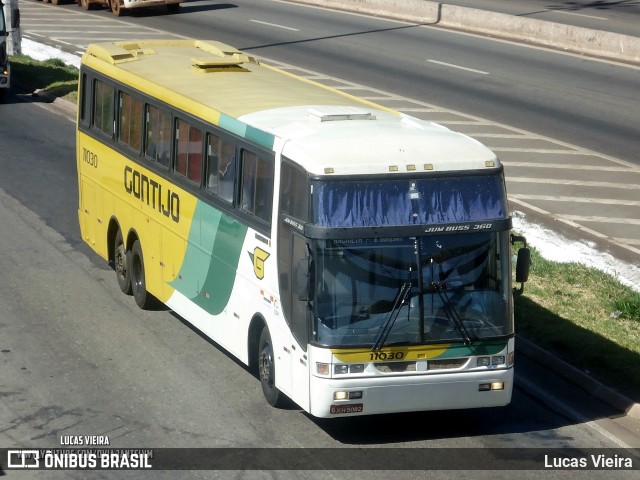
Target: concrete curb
{"points": [[597, 43], [578, 377]]}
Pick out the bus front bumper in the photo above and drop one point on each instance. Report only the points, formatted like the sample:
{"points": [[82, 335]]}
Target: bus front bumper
{"points": [[370, 396]]}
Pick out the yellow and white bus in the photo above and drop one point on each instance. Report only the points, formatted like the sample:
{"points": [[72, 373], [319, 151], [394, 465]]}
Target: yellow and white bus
{"points": [[356, 258]]}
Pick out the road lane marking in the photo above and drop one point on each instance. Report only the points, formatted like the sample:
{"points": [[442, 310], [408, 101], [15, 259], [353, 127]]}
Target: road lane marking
{"points": [[580, 15], [460, 67], [576, 226], [558, 181], [560, 198], [275, 25], [597, 168], [588, 218]]}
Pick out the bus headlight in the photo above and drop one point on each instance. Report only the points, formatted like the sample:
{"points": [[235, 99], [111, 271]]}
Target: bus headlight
{"points": [[340, 369], [494, 361], [497, 360], [343, 369], [483, 361]]}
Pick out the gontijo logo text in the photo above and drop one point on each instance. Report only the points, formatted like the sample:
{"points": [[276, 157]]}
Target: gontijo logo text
{"points": [[150, 192]]}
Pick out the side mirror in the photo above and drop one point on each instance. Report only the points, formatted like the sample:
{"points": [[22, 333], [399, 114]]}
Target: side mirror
{"points": [[15, 18], [523, 263]]}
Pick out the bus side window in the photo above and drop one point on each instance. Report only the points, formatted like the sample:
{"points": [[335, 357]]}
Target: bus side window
{"points": [[227, 171], [188, 151], [83, 99], [130, 125], [213, 159], [103, 107], [257, 185], [158, 135]]}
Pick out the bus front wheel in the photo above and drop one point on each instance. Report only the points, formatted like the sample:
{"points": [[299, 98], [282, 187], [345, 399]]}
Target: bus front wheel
{"points": [[266, 370], [143, 298]]}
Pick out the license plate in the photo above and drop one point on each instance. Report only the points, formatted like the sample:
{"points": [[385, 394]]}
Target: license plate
{"points": [[352, 408]]}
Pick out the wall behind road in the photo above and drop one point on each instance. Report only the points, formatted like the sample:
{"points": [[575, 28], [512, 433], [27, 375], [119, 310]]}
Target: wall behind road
{"points": [[599, 43]]}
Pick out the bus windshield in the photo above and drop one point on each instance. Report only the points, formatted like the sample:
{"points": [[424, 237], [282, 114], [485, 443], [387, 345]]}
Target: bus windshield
{"points": [[439, 288]]}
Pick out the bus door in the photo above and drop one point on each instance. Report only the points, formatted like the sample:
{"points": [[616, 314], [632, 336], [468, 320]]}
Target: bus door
{"points": [[300, 275]]}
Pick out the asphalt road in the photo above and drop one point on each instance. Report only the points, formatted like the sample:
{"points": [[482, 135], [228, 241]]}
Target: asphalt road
{"points": [[78, 357]]}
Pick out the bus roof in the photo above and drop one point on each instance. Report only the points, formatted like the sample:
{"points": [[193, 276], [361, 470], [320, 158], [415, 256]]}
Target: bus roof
{"points": [[325, 130]]}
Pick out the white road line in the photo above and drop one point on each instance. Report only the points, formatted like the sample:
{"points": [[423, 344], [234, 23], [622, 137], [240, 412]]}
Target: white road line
{"points": [[275, 25], [580, 15], [540, 150], [560, 198], [596, 168], [558, 181], [587, 218], [577, 226], [458, 67]]}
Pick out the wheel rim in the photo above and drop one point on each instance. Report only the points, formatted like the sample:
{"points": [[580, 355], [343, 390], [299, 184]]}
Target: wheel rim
{"points": [[266, 365], [121, 261]]}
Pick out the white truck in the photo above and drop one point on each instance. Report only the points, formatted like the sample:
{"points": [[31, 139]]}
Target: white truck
{"points": [[5, 79], [9, 41]]}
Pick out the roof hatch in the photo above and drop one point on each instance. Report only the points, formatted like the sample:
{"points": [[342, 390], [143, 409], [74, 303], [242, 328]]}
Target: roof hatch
{"points": [[337, 113]]}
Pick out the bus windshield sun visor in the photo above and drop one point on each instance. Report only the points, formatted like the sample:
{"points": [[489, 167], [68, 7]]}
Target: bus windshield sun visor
{"points": [[407, 202]]}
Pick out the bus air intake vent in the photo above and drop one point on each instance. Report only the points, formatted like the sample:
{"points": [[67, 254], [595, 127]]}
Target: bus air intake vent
{"points": [[335, 114], [230, 63], [447, 363], [396, 367]]}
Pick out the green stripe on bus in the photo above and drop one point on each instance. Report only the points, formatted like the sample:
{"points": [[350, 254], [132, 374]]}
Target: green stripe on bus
{"points": [[208, 271], [252, 134], [479, 348]]}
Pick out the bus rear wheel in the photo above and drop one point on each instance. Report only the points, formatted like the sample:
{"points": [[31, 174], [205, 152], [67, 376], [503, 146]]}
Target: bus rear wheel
{"points": [[266, 370], [116, 8], [121, 264], [143, 299]]}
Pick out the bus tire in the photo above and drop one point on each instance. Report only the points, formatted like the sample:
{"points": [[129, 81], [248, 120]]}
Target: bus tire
{"points": [[121, 264], [116, 7], [266, 370], [143, 299]]}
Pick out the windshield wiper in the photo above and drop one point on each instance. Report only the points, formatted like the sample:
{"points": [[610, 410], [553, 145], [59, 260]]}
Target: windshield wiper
{"points": [[403, 293], [451, 312]]}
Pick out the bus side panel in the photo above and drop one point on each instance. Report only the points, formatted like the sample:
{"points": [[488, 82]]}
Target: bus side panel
{"points": [[91, 202]]}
